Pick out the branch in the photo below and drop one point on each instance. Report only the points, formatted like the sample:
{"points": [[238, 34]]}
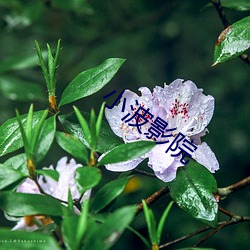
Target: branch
{"points": [[204, 229], [152, 198], [144, 173], [224, 192], [235, 220], [226, 23]]}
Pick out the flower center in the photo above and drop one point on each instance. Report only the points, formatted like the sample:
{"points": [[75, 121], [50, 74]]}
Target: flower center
{"points": [[179, 109]]}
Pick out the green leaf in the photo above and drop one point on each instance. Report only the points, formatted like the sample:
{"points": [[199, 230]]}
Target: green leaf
{"points": [[19, 63], [18, 162], [73, 146], [87, 177], [193, 191], [19, 90], [143, 239], [233, 41], [241, 5], [99, 121], [37, 132], [20, 204], [74, 228], [70, 201], [162, 221], [16, 240], [28, 126], [105, 235], [46, 137], [8, 176], [107, 139], [69, 230], [78, 6], [22, 131], [10, 136], [84, 125], [53, 174], [43, 65], [127, 152], [151, 223], [82, 223], [108, 193], [92, 127], [90, 81]]}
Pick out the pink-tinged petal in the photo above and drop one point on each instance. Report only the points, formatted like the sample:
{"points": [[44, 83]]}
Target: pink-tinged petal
{"points": [[188, 108], [29, 187], [205, 156], [164, 165], [125, 166]]}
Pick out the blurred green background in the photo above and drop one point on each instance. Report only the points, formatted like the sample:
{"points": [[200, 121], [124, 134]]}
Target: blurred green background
{"points": [[161, 41]]}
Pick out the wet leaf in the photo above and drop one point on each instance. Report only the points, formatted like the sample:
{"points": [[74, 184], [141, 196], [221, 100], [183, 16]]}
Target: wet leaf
{"points": [[233, 41], [126, 152], [46, 137], [10, 136], [193, 191], [90, 81]]}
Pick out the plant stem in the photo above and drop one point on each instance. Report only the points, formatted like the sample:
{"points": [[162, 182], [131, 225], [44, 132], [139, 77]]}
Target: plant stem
{"points": [[224, 192], [152, 198]]}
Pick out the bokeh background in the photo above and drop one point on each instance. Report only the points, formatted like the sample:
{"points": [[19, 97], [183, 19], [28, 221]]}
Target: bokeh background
{"points": [[161, 41]]}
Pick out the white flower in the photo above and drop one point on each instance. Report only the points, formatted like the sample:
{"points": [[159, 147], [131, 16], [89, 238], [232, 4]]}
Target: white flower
{"points": [[58, 189], [186, 110]]}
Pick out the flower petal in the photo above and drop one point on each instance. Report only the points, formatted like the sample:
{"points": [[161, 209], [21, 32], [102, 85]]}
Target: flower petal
{"points": [[65, 182], [205, 156], [115, 115], [21, 225], [188, 108], [164, 165], [29, 187]]}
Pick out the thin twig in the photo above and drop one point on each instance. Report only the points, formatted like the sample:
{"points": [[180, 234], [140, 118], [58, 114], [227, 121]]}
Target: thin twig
{"points": [[152, 198], [224, 211], [235, 220], [223, 192], [226, 23], [221, 225], [144, 173], [222, 15], [204, 229]]}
